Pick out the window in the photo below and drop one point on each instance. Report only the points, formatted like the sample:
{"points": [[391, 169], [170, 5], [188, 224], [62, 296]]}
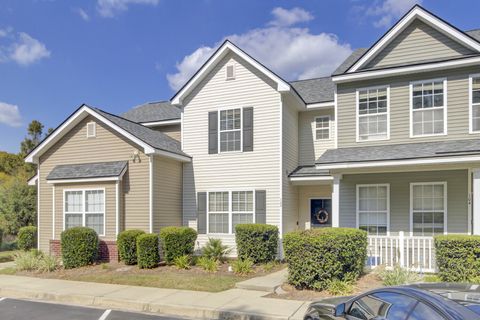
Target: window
{"points": [[91, 130], [382, 305], [230, 130], [85, 208], [428, 104], [424, 312], [475, 103], [373, 208], [226, 209], [322, 128], [230, 71], [372, 117], [428, 208]]}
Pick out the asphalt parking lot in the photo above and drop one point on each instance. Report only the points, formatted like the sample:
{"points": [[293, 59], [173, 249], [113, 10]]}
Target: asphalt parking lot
{"points": [[13, 309]]}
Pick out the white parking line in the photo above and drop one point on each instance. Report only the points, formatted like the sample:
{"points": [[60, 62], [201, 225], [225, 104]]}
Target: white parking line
{"points": [[105, 315]]}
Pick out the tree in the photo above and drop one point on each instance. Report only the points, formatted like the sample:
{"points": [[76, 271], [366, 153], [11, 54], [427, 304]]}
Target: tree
{"points": [[18, 202], [34, 137]]}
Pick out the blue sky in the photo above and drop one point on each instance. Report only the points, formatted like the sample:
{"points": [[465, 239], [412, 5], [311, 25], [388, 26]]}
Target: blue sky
{"points": [[115, 54]]}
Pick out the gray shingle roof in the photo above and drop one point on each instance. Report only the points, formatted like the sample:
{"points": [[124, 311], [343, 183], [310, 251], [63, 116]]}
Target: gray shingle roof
{"points": [[153, 111], [474, 34], [401, 151], [350, 61], [315, 90], [87, 170], [155, 139], [308, 171]]}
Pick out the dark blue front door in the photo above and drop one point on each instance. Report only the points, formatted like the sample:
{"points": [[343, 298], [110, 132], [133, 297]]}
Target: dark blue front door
{"points": [[321, 212]]}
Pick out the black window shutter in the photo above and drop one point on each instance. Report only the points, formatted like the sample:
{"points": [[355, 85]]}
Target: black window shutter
{"points": [[248, 129], [202, 212], [213, 132], [260, 206]]}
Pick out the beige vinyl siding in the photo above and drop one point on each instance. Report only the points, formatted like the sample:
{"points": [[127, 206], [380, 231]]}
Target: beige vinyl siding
{"points": [[305, 193], [173, 131], [167, 193], [457, 197], [311, 149], [418, 42], [259, 169], [76, 148], [457, 107], [290, 162]]}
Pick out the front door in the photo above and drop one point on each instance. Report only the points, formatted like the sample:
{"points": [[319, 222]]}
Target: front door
{"points": [[320, 213]]}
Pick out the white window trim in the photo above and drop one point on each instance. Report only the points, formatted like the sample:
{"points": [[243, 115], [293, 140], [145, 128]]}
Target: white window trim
{"points": [[470, 103], [230, 211], [445, 108], [357, 201], [445, 203], [357, 114], [83, 213], [233, 65], [220, 131], [329, 127], [94, 126]]}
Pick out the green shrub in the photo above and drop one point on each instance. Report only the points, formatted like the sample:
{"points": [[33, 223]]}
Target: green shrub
{"points": [[458, 257], [269, 266], [27, 238], [1, 237], [127, 246], [214, 249], [177, 241], [48, 263], [431, 278], [337, 287], [79, 247], [148, 251], [242, 266], [27, 260], [318, 255], [397, 276], [208, 264], [258, 242], [182, 262]]}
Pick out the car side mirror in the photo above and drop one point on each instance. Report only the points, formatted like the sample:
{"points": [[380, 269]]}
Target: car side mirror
{"points": [[339, 310]]}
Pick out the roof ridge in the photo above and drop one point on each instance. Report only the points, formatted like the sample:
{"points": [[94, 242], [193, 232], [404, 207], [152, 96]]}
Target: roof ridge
{"points": [[316, 78]]}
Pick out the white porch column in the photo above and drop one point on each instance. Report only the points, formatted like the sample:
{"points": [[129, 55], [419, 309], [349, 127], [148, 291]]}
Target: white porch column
{"points": [[336, 200], [476, 201]]}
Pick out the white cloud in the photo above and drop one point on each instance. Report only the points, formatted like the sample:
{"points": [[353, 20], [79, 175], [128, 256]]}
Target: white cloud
{"points": [[387, 11], [10, 115], [83, 14], [292, 52], [27, 50], [110, 8], [284, 17]]}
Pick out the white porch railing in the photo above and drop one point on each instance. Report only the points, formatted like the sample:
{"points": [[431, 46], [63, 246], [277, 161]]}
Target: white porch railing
{"points": [[415, 253]]}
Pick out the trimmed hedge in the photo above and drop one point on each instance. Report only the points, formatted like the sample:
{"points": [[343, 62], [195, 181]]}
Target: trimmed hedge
{"points": [[317, 256], [458, 257], [148, 251], [127, 246], [177, 242], [1, 237], [79, 247], [27, 238], [257, 242]]}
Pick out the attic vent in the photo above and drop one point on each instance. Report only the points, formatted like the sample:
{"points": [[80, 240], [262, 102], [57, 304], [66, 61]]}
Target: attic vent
{"points": [[91, 130], [230, 71]]}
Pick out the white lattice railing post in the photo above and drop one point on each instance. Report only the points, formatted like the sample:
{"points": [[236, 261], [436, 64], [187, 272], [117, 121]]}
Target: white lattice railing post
{"points": [[401, 240]]}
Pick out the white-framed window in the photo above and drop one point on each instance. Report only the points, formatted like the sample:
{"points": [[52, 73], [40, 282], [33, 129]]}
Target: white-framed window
{"points": [[373, 113], [474, 90], [85, 207], [91, 130], [428, 208], [230, 130], [230, 71], [428, 108], [226, 209], [373, 208], [322, 128]]}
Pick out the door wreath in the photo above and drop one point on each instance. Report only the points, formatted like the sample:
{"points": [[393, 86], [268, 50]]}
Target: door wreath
{"points": [[322, 216]]}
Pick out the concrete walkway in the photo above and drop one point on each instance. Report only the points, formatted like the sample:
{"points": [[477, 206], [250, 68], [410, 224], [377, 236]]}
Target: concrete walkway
{"points": [[230, 304], [268, 283]]}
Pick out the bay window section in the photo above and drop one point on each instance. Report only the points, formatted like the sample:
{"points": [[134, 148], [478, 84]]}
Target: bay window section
{"points": [[373, 208], [372, 117], [428, 208], [475, 102], [230, 133], [428, 108], [226, 209], [85, 208]]}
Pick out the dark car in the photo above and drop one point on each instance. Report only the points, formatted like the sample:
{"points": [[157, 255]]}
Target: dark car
{"points": [[412, 302]]}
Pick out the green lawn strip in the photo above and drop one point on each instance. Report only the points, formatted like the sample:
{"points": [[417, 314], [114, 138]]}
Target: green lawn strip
{"points": [[6, 256], [8, 271]]}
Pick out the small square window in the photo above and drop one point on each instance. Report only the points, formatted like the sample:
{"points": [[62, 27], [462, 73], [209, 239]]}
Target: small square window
{"points": [[91, 130], [230, 71]]}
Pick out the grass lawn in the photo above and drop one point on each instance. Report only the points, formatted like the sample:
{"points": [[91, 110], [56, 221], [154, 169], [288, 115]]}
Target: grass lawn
{"points": [[161, 277], [6, 256]]}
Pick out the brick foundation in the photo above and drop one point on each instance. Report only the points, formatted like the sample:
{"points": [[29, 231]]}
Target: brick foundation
{"points": [[107, 251]]}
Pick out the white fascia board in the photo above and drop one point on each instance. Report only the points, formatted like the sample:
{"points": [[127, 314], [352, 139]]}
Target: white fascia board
{"points": [[320, 105], [172, 155], [282, 85], [33, 180], [402, 24], [160, 123], [314, 178], [393, 163], [407, 70]]}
